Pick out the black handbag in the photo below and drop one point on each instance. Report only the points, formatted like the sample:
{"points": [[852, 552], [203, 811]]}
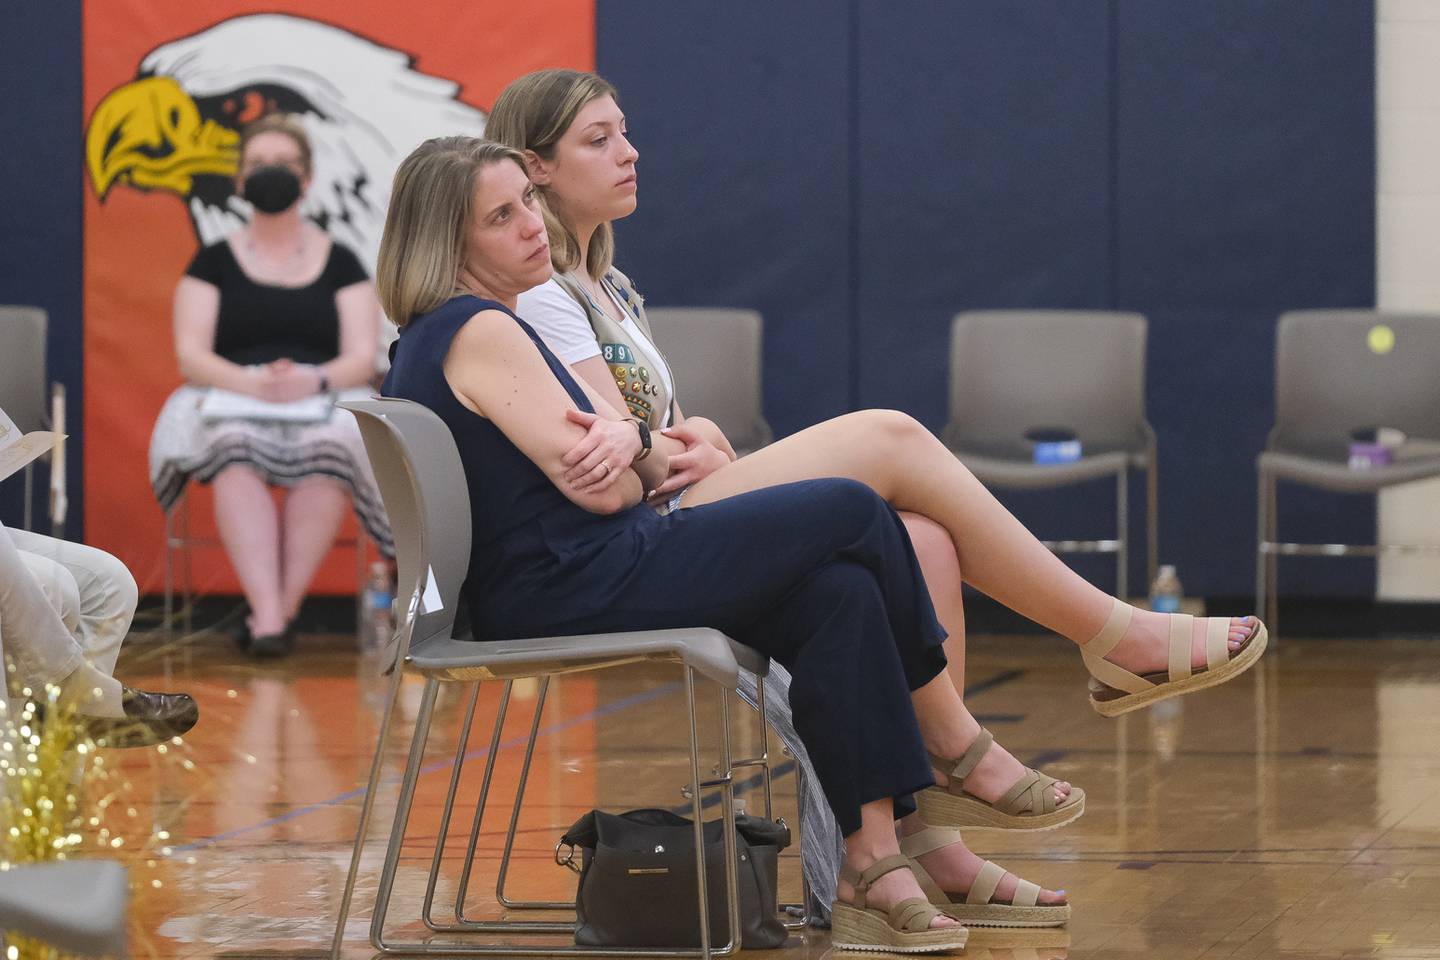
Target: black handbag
{"points": [[637, 880]]}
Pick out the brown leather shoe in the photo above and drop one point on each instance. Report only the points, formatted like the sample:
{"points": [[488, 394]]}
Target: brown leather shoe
{"points": [[150, 718]]}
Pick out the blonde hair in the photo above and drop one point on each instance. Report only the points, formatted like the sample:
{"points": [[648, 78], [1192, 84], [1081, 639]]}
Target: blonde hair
{"points": [[431, 204], [279, 123], [533, 113]]}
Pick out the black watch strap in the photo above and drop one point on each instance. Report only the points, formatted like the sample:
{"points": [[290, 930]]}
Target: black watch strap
{"points": [[644, 429]]}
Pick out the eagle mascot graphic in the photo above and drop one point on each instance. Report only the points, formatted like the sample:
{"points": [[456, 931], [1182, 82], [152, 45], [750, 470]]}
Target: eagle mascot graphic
{"points": [[175, 127]]}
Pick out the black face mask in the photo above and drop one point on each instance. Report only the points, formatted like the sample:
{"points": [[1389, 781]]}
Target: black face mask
{"points": [[272, 189]]}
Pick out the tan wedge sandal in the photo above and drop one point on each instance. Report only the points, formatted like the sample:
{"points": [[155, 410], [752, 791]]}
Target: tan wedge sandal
{"points": [[904, 928], [1028, 805], [1115, 690], [980, 908]]}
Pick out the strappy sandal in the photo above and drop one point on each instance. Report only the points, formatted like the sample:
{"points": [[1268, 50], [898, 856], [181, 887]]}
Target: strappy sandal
{"points": [[1115, 690], [904, 928], [1028, 805], [980, 908]]}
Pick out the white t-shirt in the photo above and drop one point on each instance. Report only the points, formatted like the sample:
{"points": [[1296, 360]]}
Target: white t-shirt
{"points": [[566, 330]]}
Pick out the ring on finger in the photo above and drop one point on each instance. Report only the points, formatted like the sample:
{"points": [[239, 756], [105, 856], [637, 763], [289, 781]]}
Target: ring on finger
{"points": [[606, 465]]}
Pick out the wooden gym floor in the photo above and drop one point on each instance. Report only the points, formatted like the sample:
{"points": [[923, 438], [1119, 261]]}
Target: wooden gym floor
{"points": [[1291, 813]]}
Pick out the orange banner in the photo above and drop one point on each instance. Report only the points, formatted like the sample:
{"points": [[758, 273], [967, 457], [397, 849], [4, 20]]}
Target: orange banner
{"points": [[167, 84]]}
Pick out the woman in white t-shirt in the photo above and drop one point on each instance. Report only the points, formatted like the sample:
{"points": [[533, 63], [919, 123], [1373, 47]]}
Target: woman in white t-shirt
{"points": [[572, 132]]}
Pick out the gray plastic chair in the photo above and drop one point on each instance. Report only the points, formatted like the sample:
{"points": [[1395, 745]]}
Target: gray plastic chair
{"points": [[716, 356], [24, 394], [1083, 371], [1329, 384], [423, 486], [77, 906]]}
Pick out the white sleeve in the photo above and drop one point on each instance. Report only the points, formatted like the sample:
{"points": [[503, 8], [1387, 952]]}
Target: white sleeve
{"points": [[560, 321]]}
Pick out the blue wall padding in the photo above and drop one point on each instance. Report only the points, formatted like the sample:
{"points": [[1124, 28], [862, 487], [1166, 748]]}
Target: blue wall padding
{"points": [[984, 178], [741, 112], [41, 184], [1209, 165], [1245, 175]]}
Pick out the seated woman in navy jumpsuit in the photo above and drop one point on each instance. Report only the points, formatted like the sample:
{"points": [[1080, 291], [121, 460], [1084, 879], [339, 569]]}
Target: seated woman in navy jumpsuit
{"points": [[823, 578]]}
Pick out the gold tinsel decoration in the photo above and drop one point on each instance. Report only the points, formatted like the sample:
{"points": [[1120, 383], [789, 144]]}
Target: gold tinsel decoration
{"points": [[59, 800], [44, 754]]}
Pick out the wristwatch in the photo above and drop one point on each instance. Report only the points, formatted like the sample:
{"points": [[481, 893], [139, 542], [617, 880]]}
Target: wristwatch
{"points": [[644, 429]]}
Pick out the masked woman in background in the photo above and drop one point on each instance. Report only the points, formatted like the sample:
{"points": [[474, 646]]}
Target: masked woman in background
{"points": [[277, 312]]}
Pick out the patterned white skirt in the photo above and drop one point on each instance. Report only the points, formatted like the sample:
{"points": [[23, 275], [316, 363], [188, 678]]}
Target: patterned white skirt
{"points": [[186, 446]]}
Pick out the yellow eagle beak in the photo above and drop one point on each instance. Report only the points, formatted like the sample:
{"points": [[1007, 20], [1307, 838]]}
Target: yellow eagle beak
{"points": [[149, 134]]}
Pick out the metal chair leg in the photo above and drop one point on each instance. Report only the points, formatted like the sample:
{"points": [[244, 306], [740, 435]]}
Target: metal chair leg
{"points": [[726, 782], [1267, 585], [468, 866], [765, 779], [443, 831], [28, 516], [727, 800], [1122, 534], [187, 595], [362, 576], [515, 818], [167, 625], [366, 809], [402, 814], [1152, 519]]}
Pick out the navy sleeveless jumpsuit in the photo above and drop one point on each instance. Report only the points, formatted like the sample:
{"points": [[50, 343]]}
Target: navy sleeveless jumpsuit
{"points": [[819, 575]]}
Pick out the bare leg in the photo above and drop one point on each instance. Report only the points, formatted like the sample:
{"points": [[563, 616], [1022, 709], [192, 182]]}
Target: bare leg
{"points": [[903, 462], [875, 840], [313, 511], [998, 771], [250, 531], [955, 867]]}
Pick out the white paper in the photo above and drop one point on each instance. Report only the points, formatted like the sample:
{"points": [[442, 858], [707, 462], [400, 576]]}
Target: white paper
{"points": [[430, 601], [18, 449], [227, 405]]}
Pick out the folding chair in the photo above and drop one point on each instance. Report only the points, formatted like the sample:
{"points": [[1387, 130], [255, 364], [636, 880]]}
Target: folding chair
{"points": [[1338, 372], [422, 483], [23, 392], [715, 354], [1013, 371]]}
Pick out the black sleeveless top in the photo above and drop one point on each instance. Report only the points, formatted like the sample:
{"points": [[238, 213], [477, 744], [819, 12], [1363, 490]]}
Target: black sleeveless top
{"points": [[260, 322], [536, 558]]}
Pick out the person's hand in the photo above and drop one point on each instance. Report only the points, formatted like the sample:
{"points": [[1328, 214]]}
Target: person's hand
{"points": [[709, 431], [700, 459], [286, 381], [603, 454]]}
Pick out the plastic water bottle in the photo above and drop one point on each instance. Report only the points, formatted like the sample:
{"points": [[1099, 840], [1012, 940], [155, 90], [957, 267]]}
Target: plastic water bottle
{"points": [[378, 623], [1166, 592]]}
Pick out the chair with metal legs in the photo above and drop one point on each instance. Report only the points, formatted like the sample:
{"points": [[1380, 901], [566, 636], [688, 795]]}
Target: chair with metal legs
{"points": [[1339, 373], [23, 392], [1013, 372], [798, 914], [422, 484]]}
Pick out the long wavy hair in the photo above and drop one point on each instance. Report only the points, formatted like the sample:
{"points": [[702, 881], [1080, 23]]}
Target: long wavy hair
{"points": [[533, 113]]}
